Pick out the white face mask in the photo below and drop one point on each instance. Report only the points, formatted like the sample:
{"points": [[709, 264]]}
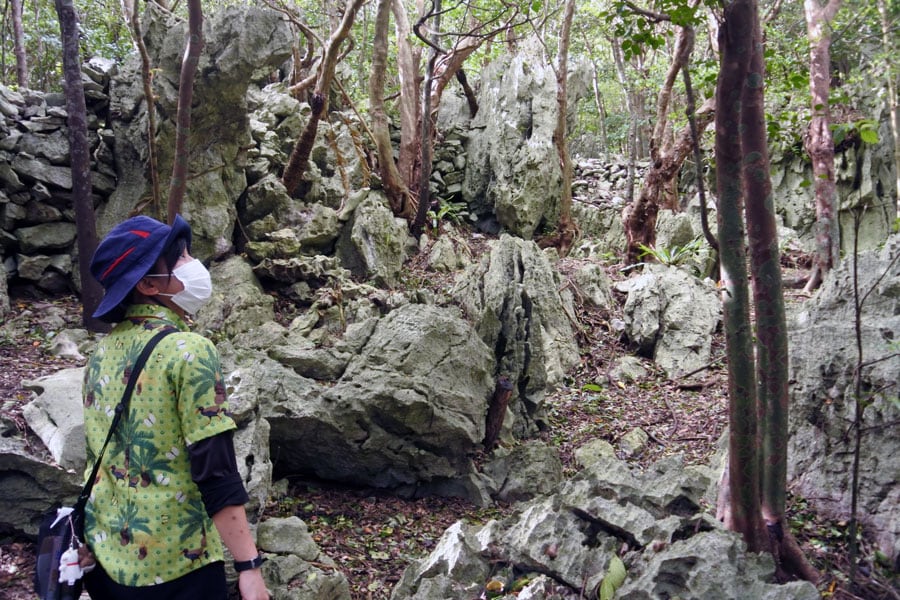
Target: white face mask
{"points": [[197, 286]]}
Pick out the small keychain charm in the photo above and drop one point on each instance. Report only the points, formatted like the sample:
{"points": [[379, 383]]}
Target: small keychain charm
{"points": [[69, 570]]}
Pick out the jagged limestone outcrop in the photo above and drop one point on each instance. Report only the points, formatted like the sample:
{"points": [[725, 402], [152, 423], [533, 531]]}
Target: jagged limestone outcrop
{"points": [[824, 401]]}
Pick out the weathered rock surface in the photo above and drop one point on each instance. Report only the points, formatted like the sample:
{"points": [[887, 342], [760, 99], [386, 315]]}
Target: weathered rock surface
{"points": [[671, 316], [824, 401], [562, 543], [512, 296]]}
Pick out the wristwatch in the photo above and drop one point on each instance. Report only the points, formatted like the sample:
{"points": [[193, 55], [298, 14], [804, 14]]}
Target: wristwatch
{"points": [[247, 565]]}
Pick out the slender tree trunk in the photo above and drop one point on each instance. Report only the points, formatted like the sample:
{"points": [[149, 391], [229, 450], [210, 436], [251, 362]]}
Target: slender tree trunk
{"points": [[299, 159], [771, 326], [758, 404], [392, 182], [889, 43], [819, 143], [735, 40], [408, 58], [191, 59], [79, 150], [133, 20], [427, 129], [566, 230], [640, 215], [19, 44]]}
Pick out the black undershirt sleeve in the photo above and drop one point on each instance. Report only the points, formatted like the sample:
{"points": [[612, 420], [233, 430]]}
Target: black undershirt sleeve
{"points": [[214, 470]]}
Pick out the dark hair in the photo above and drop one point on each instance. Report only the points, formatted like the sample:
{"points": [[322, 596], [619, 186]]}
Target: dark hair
{"points": [[170, 255], [173, 252]]}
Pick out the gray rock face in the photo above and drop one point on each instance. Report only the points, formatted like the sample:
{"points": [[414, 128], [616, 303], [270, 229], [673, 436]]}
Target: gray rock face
{"points": [[824, 400], [239, 41], [374, 244], [512, 297], [513, 174], [671, 315], [570, 537], [30, 486], [55, 415], [407, 412], [238, 303], [296, 568]]}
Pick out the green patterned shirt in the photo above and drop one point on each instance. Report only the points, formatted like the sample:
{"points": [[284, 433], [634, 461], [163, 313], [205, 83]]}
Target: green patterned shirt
{"points": [[145, 520]]}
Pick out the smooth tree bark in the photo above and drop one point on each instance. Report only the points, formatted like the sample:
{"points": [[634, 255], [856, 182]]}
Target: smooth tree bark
{"points": [[771, 327], [757, 369], [819, 142], [19, 44], [299, 159], [79, 150], [134, 23], [889, 46], [189, 63], [743, 512], [427, 136], [409, 58], [393, 184], [567, 229]]}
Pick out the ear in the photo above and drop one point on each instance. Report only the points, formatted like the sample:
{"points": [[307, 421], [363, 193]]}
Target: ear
{"points": [[147, 286]]}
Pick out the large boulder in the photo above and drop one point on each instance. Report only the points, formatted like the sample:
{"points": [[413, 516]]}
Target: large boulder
{"points": [[30, 486], [399, 403], [239, 43], [825, 400], [374, 242], [671, 316], [512, 296], [55, 415], [239, 302], [513, 180]]}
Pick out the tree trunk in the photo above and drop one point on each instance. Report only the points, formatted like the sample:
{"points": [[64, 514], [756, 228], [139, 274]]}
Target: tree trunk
{"points": [[735, 38], [133, 20], [771, 327], [889, 42], [79, 150], [393, 184], [189, 63], [409, 56], [640, 215], [19, 44], [299, 159], [641, 226], [758, 405], [427, 128], [566, 230], [819, 143]]}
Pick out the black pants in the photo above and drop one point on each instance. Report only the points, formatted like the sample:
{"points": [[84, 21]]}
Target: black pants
{"points": [[205, 583]]}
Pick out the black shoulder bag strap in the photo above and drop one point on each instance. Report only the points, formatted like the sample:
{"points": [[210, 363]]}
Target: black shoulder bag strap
{"points": [[121, 408]]}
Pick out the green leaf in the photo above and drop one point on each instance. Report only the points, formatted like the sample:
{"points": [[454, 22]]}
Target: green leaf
{"points": [[606, 591], [616, 574], [591, 387], [805, 183], [869, 136]]}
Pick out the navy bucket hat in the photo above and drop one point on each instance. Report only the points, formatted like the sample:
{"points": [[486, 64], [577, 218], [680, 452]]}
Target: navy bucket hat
{"points": [[128, 252]]}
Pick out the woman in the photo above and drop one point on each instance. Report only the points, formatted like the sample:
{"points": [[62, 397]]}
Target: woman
{"points": [[168, 494]]}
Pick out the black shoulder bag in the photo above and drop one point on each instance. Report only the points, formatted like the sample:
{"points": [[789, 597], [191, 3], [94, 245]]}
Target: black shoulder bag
{"points": [[57, 575]]}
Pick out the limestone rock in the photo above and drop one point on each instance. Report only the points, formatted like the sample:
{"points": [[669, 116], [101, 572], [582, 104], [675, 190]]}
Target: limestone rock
{"points": [[671, 315], [823, 398], [512, 298], [55, 415]]}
